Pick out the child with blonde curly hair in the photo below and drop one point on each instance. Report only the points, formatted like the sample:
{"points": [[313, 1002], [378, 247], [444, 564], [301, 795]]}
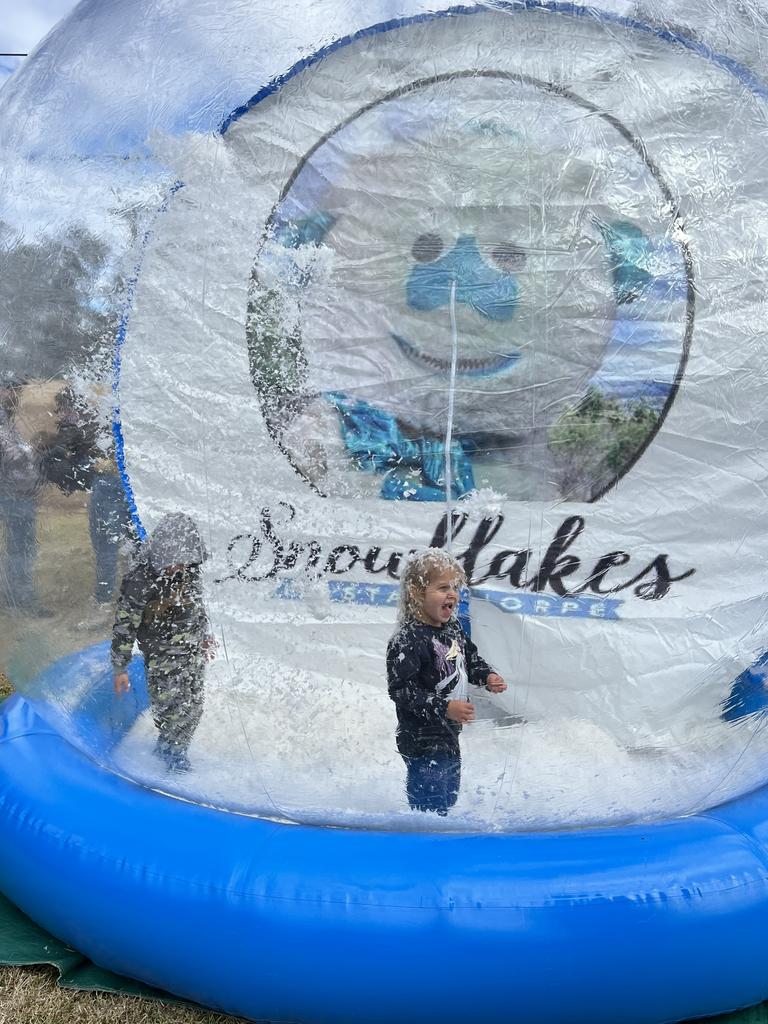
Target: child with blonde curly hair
{"points": [[430, 662]]}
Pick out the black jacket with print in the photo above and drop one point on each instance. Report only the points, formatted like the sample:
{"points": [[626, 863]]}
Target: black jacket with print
{"points": [[416, 671]]}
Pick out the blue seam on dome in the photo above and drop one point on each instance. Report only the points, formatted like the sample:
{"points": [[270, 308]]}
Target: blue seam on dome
{"points": [[742, 73]]}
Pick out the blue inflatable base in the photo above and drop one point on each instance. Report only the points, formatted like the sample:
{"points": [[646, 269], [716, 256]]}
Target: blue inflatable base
{"points": [[748, 695], [274, 921]]}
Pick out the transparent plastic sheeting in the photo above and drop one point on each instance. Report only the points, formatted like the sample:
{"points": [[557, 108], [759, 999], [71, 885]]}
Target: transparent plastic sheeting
{"points": [[368, 277]]}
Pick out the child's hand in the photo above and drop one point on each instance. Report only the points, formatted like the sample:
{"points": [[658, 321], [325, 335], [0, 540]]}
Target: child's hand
{"points": [[495, 683], [209, 647], [460, 711], [122, 683]]}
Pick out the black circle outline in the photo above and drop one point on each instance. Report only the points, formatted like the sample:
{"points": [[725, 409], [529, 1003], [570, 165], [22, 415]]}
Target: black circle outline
{"points": [[635, 143]]}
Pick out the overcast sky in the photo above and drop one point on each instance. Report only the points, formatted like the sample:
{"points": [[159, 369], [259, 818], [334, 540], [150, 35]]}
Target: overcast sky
{"points": [[23, 23]]}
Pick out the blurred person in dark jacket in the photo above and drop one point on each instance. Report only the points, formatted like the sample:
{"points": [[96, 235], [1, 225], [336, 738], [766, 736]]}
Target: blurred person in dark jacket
{"points": [[77, 456]]}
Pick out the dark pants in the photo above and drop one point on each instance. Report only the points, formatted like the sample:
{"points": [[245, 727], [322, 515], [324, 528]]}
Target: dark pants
{"points": [[19, 517], [109, 519], [433, 782], [176, 694]]}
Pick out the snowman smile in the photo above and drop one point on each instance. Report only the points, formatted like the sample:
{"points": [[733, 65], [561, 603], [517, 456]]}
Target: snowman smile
{"points": [[465, 367]]}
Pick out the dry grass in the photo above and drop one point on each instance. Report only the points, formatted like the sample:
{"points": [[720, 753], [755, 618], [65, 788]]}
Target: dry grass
{"points": [[64, 567], [30, 995]]}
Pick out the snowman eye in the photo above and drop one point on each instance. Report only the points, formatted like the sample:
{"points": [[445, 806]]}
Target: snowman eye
{"points": [[508, 257], [427, 248]]}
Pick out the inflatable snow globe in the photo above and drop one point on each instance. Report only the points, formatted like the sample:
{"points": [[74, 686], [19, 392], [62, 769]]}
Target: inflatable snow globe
{"points": [[339, 286]]}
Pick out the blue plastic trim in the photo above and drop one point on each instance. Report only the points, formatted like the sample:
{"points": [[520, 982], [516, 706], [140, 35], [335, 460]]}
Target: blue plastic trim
{"points": [[547, 6], [636, 925]]}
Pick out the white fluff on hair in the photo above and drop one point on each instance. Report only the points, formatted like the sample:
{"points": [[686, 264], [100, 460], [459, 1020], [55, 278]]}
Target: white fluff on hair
{"points": [[417, 570]]}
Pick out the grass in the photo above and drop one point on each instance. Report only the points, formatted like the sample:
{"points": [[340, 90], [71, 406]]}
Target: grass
{"points": [[30, 995], [64, 566], [65, 573]]}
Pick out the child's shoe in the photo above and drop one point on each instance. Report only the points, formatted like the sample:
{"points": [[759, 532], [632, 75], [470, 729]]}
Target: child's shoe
{"points": [[178, 762], [174, 758]]}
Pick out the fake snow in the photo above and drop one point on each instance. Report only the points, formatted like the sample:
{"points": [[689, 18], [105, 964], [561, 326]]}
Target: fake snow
{"points": [[296, 746]]}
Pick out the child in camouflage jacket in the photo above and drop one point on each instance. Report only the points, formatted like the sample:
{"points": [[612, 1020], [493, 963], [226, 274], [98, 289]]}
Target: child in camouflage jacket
{"points": [[161, 608]]}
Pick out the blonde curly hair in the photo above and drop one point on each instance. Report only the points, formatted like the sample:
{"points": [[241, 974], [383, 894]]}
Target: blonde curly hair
{"points": [[417, 572]]}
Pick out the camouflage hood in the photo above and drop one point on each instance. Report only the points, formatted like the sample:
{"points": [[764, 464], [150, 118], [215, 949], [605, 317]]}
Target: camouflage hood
{"points": [[175, 540]]}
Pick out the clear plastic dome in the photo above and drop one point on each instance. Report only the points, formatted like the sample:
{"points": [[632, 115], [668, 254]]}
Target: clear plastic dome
{"points": [[288, 295]]}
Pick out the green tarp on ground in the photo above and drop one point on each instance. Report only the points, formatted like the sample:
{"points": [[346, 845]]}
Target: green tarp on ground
{"points": [[755, 1015], [22, 943]]}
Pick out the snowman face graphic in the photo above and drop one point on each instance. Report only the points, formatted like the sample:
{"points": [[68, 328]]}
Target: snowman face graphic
{"points": [[433, 256]]}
